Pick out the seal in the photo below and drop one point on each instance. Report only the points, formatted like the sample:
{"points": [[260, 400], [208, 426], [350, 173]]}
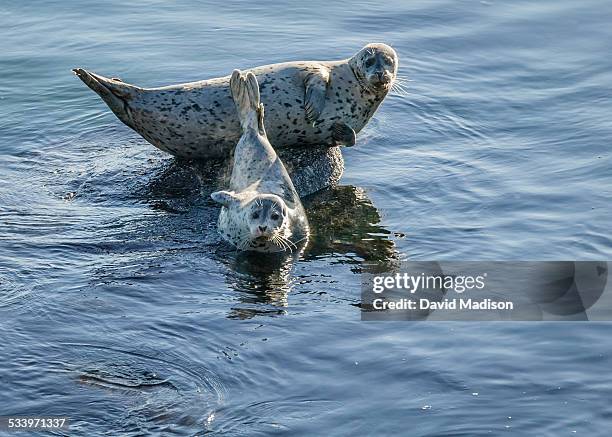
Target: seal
{"points": [[309, 103], [262, 211]]}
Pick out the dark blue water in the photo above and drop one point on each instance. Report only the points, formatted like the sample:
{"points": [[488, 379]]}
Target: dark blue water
{"points": [[120, 309]]}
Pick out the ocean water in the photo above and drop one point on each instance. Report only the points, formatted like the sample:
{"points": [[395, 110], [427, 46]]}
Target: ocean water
{"points": [[120, 309]]}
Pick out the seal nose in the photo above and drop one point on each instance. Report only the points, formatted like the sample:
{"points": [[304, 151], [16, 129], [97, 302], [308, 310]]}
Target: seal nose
{"points": [[263, 228], [382, 77]]}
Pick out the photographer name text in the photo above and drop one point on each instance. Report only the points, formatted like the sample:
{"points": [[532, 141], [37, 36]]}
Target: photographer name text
{"points": [[446, 304]]}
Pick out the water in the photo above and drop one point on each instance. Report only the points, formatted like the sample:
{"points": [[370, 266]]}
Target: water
{"points": [[120, 309]]}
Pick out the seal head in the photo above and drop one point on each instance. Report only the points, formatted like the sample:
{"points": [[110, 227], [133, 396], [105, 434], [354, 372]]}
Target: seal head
{"points": [[375, 67], [260, 222]]}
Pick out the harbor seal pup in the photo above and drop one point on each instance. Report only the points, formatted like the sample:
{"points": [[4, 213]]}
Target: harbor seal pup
{"points": [[308, 103], [262, 211]]}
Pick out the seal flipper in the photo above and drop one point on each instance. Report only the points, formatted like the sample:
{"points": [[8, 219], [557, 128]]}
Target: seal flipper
{"points": [[115, 93], [315, 84], [343, 134], [225, 198], [245, 92]]}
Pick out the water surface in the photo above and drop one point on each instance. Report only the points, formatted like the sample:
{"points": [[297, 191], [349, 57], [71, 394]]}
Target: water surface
{"points": [[120, 309]]}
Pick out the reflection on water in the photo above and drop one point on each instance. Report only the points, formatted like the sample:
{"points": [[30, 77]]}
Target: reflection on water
{"points": [[262, 281], [345, 227], [345, 221]]}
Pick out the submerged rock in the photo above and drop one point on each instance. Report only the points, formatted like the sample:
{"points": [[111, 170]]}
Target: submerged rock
{"points": [[313, 170]]}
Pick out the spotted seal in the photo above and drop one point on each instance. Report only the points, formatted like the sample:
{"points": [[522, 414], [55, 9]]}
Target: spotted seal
{"points": [[308, 103], [262, 211]]}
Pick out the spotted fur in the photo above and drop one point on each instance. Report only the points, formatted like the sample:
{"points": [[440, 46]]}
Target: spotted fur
{"points": [[262, 210], [305, 103]]}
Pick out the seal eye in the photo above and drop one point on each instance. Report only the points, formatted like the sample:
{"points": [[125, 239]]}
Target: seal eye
{"points": [[274, 216], [369, 62], [255, 215]]}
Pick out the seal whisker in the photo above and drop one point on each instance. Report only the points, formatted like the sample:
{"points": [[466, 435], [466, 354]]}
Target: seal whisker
{"points": [[296, 242], [400, 82], [280, 244], [399, 89], [288, 243], [243, 243], [401, 78], [276, 241], [283, 242], [291, 243]]}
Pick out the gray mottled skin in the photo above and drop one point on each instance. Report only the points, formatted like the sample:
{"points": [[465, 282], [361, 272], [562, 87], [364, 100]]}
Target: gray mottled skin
{"points": [[307, 103], [262, 210]]}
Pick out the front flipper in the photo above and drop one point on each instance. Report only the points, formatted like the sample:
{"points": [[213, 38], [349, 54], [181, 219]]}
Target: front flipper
{"points": [[343, 134], [315, 84]]}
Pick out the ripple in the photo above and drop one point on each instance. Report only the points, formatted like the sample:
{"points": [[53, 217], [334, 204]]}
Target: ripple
{"points": [[159, 391]]}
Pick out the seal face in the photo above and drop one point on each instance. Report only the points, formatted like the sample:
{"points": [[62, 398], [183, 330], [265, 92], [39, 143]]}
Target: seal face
{"points": [[375, 66], [262, 210], [310, 103]]}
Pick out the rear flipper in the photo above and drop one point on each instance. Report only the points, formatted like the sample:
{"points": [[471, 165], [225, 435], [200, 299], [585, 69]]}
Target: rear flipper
{"points": [[343, 134], [114, 92], [245, 92]]}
